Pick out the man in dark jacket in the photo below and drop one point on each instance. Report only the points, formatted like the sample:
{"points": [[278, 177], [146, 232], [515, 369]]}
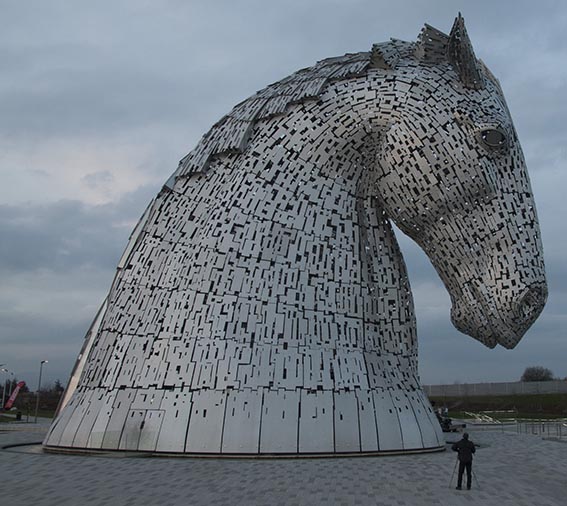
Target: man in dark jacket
{"points": [[466, 449]]}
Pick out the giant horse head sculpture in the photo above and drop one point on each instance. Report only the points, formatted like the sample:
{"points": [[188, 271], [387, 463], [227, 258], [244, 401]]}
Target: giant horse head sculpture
{"points": [[262, 305]]}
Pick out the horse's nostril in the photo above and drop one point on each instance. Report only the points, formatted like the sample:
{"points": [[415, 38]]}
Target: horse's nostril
{"points": [[530, 304], [526, 308]]}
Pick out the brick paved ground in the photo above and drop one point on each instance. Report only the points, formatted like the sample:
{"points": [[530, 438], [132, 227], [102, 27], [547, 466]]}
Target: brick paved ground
{"points": [[512, 470]]}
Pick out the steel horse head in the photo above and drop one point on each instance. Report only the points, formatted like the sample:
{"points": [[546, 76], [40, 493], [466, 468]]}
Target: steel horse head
{"points": [[262, 305], [452, 176]]}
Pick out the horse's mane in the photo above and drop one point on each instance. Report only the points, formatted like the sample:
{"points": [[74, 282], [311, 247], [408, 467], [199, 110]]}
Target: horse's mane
{"points": [[231, 133]]}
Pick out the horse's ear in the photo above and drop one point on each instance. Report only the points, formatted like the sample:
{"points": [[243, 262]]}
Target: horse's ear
{"points": [[461, 56], [384, 56], [431, 45]]}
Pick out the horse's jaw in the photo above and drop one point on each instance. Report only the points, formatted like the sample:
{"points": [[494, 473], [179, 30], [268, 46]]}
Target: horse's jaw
{"points": [[489, 316], [495, 274]]}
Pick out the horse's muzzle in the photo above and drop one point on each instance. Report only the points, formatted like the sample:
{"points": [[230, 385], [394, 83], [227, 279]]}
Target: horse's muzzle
{"points": [[498, 317]]}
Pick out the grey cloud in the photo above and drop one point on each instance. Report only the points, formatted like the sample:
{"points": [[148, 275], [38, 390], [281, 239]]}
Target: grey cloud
{"points": [[163, 72], [24, 328], [97, 179], [67, 234], [85, 101], [447, 356], [71, 249], [29, 334], [187, 63]]}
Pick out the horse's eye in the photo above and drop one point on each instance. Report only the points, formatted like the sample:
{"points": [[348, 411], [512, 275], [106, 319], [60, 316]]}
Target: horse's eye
{"points": [[493, 138]]}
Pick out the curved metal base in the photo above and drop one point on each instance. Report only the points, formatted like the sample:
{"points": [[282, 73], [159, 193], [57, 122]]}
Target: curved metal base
{"points": [[264, 422], [125, 453]]}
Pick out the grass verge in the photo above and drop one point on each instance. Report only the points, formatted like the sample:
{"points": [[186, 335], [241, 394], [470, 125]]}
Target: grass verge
{"points": [[507, 406]]}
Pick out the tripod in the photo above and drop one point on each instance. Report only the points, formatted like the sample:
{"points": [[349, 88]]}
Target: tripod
{"points": [[454, 469], [475, 479], [472, 471]]}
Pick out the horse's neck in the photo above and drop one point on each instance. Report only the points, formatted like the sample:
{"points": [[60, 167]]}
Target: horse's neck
{"points": [[302, 210], [389, 312]]}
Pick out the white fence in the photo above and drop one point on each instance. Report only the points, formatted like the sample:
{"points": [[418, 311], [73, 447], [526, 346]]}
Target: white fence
{"points": [[547, 429], [544, 428], [516, 388]]}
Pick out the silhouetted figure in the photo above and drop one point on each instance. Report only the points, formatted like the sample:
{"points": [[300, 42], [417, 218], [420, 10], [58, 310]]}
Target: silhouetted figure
{"points": [[466, 449]]}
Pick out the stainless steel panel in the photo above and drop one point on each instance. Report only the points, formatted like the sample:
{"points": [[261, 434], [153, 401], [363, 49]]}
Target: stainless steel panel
{"points": [[367, 421], [389, 430], [120, 409], [150, 430], [133, 426], [241, 431], [103, 417], [278, 433], [347, 428], [74, 423], [316, 422], [411, 433], [206, 422], [176, 406]]}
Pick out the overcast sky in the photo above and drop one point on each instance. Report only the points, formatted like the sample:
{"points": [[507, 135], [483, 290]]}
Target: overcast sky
{"points": [[99, 101]]}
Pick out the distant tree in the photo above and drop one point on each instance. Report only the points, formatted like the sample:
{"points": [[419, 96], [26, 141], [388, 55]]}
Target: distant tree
{"points": [[58, 387], [537, 373]]}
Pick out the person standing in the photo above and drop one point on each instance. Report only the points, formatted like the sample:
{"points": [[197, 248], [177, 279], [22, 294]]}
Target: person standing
{"points": [[465, 448]]}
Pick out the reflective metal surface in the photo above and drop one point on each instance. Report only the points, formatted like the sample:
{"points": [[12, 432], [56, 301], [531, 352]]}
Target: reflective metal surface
{"points": [[262, 305]]}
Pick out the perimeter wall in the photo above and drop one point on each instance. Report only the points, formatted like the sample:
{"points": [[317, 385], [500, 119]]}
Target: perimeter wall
{"points": [[512, 388]]}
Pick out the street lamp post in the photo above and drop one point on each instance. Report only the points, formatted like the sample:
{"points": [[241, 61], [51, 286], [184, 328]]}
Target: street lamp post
{"points": [[39, 388], [5, 371]]}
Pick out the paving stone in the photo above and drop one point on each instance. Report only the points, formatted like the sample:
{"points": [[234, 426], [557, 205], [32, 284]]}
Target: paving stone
{"points": [[511, 470]]}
